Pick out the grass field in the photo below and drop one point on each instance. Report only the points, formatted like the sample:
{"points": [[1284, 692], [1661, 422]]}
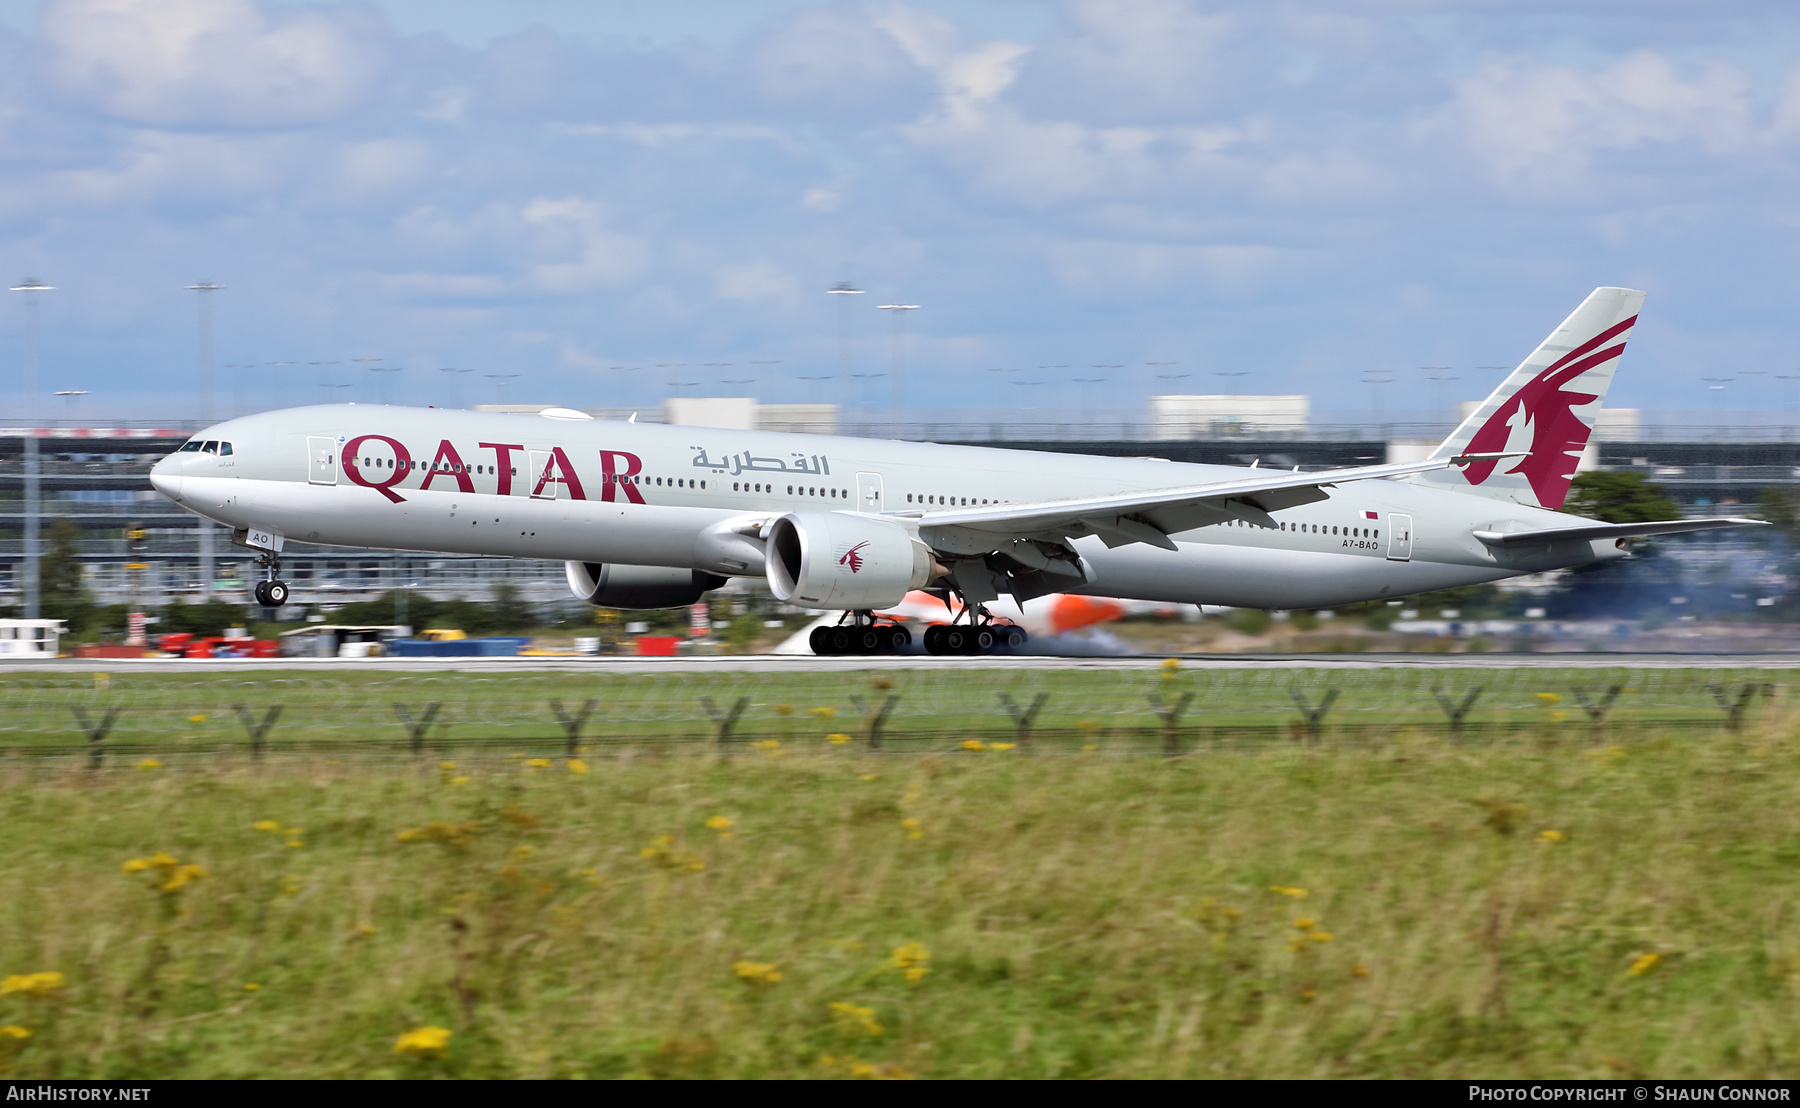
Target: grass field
{"points": [[1554, 905]]}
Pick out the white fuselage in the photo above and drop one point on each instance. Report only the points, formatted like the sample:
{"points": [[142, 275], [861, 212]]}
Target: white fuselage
{"points": [[531, 486]]}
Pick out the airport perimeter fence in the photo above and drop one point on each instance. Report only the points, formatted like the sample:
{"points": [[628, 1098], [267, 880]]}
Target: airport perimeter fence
{"points": [[114, 719]]}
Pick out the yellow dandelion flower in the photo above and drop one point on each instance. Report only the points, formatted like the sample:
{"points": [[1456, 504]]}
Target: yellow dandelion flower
{"points": [[664, 854], [149, 763], [757, 973], [1289, 890], [1304, 923], [1321, 936], [1004, 746], [201, 718], [1549, 697], [362, 930], [1643, 963], [425, 1042], [770, 747], [577, 767], [181, 876], [39, 985], [854, 1018], [14, 1031], [869, 777], [913, 961], [251, 986], [1551, 836], [1359, 970], [1558, 717], [1171, 664], [458, 782], [1296, 942], [294, 844], [538, 763], [822, 713], [912, 828], [267, 825], [446, 766], [784, 709], [162, 859], [1090, 746], [973, 744], [1307, 996], [837, 738]]}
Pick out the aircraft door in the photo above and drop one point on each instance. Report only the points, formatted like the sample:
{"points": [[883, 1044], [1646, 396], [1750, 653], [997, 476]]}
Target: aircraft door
{"points": [[1400, 538], [868, 493], [321, 460], [544, 484]]}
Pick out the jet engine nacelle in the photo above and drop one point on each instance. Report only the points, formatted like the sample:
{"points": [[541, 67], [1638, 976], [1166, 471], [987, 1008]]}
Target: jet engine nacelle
{"points": [[638, 587], [844, 561]]}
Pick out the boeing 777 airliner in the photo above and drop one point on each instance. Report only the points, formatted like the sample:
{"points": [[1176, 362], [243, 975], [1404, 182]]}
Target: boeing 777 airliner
{"points": [[648, 516]]}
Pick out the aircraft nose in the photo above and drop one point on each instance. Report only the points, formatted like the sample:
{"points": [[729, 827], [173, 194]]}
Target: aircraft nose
{"points": [[165, 477]]}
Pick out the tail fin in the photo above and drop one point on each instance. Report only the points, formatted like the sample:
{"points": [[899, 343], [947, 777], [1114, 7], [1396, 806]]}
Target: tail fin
{"points": [[1548, 407]]}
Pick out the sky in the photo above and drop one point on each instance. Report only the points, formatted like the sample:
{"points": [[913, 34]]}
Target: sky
{"points": [[591, 203]]}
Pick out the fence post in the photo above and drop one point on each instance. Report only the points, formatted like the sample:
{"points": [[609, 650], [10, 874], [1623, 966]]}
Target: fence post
{"points": [[725, 720], [96, 733], [257, 730], [1023, 717], [573, 722], [1596, 713], [1171, 720], [1457, 712], [419, 726], [1734, 713], [1314, 717], [875, 720]]}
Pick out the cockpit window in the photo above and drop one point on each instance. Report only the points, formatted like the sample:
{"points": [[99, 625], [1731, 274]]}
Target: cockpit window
{"points": [[190, 447], [211, 447], [224, 449]]}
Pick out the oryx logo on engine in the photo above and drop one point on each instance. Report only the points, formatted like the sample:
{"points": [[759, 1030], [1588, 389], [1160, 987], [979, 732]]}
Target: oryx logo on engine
{"points": [[853, 558]]}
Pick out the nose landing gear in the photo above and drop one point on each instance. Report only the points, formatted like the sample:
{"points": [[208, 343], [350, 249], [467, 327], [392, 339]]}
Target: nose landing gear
{"points": [[271, 592]]}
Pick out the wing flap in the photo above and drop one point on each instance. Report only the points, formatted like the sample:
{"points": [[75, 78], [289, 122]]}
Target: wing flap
{"points": [[1588, 532]]}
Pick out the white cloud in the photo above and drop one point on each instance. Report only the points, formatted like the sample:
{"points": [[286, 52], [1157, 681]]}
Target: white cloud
{"points": [[1544, 130], [213, 63], [576, 248]]}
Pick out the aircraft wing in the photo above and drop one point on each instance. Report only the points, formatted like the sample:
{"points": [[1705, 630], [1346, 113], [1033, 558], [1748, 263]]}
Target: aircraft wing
{"points": [[1588, 531], [1152, 516]]}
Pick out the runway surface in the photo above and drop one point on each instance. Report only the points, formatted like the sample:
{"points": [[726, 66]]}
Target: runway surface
{"points": [[766, 663]]}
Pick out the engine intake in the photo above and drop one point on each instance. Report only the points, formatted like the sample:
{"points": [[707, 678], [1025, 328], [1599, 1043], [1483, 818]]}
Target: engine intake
{"points": [[844, 561], [638, 587]]}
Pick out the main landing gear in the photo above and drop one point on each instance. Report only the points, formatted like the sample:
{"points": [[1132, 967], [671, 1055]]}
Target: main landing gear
{"points": [[986, 637], [271, 592], [863, 635]]}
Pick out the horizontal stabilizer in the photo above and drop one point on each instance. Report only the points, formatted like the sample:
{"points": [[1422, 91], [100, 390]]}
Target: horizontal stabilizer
{"points": [[1587, 532]]}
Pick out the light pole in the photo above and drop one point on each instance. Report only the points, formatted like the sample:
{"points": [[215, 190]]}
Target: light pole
{"points": [[1375, 410], [1750, 401], [457, 388], [203, 322], [31, 286], [384, 385], [33, 502], [1716, 386], [1438, 375], [812, 387], [844, 290], [501, 381], [72, 396], [899, 381]]}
